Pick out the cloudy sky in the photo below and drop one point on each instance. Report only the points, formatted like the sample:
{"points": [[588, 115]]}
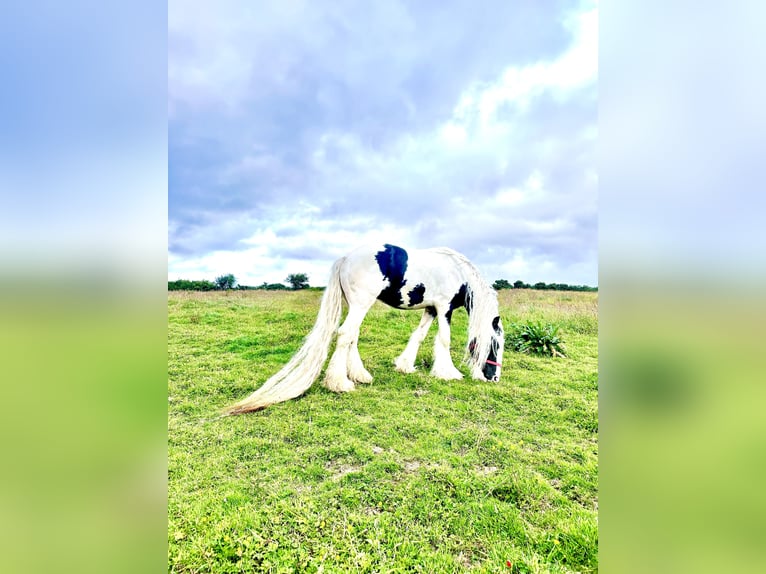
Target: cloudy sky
{"points": [[299, 130]]}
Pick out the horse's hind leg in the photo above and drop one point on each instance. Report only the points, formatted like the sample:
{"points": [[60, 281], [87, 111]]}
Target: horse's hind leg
{"points": [[337, 375], [405, 363], [356, 370]]}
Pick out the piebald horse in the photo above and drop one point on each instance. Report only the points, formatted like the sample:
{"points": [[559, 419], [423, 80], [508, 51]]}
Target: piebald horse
{"points": [[437, 280]]}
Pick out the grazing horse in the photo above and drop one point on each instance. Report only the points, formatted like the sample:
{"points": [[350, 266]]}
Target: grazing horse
{"points": [[438, 280]]}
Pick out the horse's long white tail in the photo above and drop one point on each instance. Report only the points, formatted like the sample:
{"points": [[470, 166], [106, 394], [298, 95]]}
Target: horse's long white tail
{"points": [[301, 371]]}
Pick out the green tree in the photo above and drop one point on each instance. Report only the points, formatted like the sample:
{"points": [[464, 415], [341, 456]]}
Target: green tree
{"points": [[225, 282], [298, 281], [501, 284], [519, 284]]}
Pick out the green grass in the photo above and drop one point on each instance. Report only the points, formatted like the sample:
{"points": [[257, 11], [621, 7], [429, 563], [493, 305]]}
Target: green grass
{"points": [[408, 474]]}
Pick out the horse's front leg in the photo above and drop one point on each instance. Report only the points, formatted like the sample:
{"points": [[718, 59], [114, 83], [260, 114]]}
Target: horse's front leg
{"points": [[443, 367]]}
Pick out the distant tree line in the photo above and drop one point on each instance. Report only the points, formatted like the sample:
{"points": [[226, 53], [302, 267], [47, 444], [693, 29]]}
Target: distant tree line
{"points": [[298, 281], [186, 285], [227, 282], [504, 284]]}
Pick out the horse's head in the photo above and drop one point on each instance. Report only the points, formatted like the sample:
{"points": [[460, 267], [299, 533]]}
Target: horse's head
{"points": [[490, 361]]}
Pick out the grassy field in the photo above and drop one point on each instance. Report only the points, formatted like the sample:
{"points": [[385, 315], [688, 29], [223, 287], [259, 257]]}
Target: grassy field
{"points": [[408, 474]]}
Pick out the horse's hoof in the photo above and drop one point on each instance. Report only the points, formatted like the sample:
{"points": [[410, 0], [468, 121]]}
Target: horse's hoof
{"points": [[406, 369], [363, 377], [451, 375], [339, 386]]}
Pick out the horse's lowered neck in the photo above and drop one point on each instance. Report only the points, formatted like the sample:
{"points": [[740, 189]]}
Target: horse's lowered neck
{"points": [[462, 298]]}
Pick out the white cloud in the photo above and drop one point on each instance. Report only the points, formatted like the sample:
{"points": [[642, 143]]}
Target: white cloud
{"points": [[531, 190], [453, 133], [493, 173], [475, 127], [272, 256], [518, 86]]}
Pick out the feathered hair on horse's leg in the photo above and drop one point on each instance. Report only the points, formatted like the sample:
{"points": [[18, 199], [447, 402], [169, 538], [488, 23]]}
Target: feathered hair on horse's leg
{"points": [[304, 367]]}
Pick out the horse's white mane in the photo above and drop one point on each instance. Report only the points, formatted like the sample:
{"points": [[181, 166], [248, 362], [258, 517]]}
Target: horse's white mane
{"points": [[481, 298]]}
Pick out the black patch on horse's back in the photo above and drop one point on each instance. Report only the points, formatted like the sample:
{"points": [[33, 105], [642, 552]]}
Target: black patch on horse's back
{"points": [[392, 262], [458, 300], [416, 295]]}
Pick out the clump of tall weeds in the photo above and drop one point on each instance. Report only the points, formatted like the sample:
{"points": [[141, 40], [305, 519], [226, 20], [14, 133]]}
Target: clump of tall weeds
{"points": [[536, 338]]}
